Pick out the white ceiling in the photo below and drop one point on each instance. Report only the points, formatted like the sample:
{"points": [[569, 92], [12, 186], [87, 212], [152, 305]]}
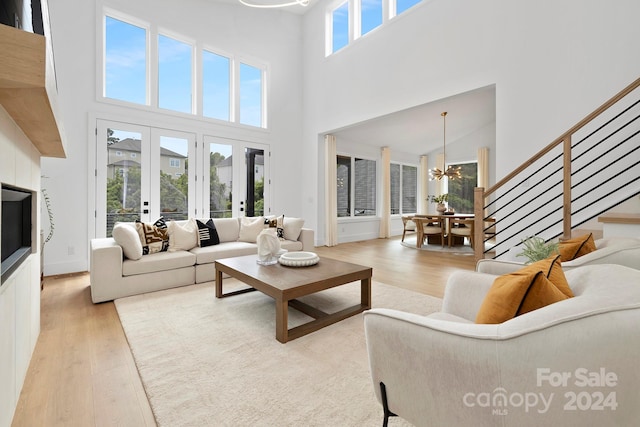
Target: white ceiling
{"points": [[419, 130]]}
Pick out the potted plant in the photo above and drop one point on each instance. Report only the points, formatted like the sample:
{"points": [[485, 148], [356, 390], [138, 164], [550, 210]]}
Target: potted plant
{"points": [[536, 249], [440, 201]]}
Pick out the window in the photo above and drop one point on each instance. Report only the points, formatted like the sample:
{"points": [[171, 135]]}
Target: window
{"points": [[404, 189], [134, 155], [362, 173], [403, 5], [340, 27], [119, 153], [461, 190], [250, 95], [125, 61], [174, 163], [216, 86], [175, 74], [370, 15]]}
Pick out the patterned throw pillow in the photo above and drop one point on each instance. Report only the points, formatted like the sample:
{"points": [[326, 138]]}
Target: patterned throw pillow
{"points": [[278, 224], [207, 233], [154, 237]]}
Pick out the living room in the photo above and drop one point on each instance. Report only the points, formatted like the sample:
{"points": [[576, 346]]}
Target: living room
{"points": [[550, 64]]}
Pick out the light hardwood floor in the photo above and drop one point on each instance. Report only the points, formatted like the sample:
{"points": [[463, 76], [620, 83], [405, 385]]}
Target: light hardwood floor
{"points": [[82, 372]]}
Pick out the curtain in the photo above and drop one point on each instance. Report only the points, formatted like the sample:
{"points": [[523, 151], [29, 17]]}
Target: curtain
{"points": [[483, 167], [385, 215], [423, 205], [330, 192]]}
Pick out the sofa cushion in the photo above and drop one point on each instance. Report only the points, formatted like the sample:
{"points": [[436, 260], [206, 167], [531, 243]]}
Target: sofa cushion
{"points": [[207, 233], [161, 261], [228, 229], [517, 293], [209, 254], [292, 228], [575, 248], [291, 245], [127, 237], [250, 227], [182, 237], [153, 237]]}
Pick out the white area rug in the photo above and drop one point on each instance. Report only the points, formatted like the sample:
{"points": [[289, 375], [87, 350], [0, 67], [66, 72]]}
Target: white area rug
{"points": [[215, 362]]}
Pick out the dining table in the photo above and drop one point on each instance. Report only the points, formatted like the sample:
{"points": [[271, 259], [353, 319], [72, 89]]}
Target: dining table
{"points": [[442, 218]]}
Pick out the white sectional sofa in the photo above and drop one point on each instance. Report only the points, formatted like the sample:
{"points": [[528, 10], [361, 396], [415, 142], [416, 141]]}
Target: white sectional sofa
{"points": [[113, 275]]}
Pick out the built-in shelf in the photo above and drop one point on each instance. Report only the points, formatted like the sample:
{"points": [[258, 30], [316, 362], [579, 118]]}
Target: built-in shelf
{"points": [[23, 89]]}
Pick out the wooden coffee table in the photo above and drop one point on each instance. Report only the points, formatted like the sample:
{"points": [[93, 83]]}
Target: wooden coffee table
{"points": [[285, 284]]}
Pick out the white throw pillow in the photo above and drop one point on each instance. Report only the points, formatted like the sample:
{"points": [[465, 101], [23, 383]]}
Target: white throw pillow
{"points": [[250, 227], [292, 228], [127, 237], [182, 237]]}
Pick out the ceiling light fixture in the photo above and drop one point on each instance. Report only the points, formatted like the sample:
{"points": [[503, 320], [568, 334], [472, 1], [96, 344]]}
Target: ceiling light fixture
{"points": [[451, 172], [303, 3]]}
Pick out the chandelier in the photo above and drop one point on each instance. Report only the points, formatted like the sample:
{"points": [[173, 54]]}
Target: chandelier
{"points": [[303, 3], [451, 172]]}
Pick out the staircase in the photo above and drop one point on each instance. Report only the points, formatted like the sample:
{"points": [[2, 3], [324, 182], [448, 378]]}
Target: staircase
{"points": [[589, 169]]}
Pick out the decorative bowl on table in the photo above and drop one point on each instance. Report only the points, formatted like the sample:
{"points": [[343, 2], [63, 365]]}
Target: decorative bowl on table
{"points": [[299, 259]]}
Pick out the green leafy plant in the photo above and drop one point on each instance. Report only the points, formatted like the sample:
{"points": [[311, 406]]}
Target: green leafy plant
{"points": [[536, 249], [442, 198]]}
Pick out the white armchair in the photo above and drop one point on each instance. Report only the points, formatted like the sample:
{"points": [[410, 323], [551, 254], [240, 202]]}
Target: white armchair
{"points": [[575, 362], [616, 250]]}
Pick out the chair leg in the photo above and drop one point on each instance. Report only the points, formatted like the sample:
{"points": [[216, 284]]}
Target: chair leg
{"points": [[385, 405], [403, 233]]}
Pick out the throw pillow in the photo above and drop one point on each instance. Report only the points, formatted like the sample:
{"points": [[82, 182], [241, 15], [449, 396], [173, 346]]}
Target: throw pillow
{"points": [[552, 270], [517, 293], [207, 233], [292, 228], [182, 237], [153, 237], [574, 248], [250, 227], [127, 237]]}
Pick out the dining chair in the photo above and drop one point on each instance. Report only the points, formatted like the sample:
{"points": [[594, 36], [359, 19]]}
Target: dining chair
{"points": [[460, 227], [408, 226], [432, 226]]}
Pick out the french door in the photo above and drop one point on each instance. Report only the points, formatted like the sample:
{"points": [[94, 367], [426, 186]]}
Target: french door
{"points": [[236, 178], [142, 173], [145, 172]]}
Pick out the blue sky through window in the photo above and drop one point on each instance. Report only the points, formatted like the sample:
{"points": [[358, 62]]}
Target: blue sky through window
{"points": [[340, 27], [215, 86], [371, 12], [402, 5], [250, 95], [125, 62], [174, 74]]}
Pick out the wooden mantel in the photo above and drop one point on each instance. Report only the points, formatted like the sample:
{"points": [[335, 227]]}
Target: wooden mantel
{"points": [[23, 89]]}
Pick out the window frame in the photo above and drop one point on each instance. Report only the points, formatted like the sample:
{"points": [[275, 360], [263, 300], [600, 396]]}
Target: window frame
{"points": [[401, 208], [352, 186]]}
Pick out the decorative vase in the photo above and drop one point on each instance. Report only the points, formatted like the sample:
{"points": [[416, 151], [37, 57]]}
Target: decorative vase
{"points": [[441, 207], [268, 247]]}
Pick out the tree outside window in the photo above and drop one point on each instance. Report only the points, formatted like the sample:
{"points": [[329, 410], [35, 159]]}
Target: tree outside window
{"points": [[461, 190]]}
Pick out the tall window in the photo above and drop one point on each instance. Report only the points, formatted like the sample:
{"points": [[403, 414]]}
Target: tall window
{"points": [[461, 190], [370, 15], [250, 95], [175, 74], [125, 61], [216, 86], [340, 27], [356, 187], [404, 189]]}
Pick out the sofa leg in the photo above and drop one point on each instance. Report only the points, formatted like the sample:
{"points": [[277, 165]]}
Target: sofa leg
{"points": [[385, 405]]}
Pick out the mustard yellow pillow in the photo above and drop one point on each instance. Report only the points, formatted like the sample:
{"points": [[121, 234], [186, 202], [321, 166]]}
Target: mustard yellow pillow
{"points": [[574, 248], [517, 293], [552, 270]]}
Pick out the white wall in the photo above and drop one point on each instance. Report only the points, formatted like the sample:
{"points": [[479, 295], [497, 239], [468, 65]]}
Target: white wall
{"points": [[552, 64], [273, 37]]}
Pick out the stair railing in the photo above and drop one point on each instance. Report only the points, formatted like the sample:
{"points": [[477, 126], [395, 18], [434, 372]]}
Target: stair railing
{"points": [[546, 196]]}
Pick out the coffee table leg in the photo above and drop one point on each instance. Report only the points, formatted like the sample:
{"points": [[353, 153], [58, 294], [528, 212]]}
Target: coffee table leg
{"points": [[282, 321], [218, 283], [365, 292]]}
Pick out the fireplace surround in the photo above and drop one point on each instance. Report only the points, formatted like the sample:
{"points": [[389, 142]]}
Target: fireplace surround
{"points": [[16, 228]]}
